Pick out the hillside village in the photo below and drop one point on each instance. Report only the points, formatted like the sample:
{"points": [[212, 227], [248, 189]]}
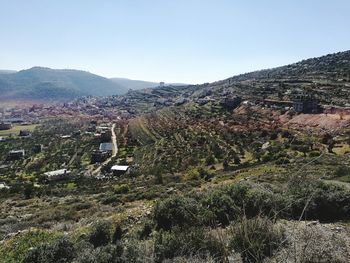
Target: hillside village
{"points": [[155, 170]]}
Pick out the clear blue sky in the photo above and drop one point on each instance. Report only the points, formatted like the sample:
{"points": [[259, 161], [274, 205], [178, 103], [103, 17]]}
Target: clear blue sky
{"points": [[191, 41]]}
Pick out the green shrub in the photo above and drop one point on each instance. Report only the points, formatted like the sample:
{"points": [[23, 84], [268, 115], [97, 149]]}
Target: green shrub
{"points": [[175, 211], [100, 234], [111, 253], [117, 234], [210, 160], [314, 153], [342, 171], [146, 230], [205, 174], [192, 175], [16, 249], [220, 205], [110, 198], [121, 189], [255, 238], [282, 160], [60, 251], [255, 201], [193, 241], [28, 191], [316, 200], [135, 252]]}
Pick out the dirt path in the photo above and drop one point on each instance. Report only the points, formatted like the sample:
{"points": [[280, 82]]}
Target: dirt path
{"points": [[114, 141]]}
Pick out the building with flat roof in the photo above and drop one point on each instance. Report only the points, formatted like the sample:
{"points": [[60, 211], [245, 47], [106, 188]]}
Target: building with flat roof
{"points": [[57, 174], [119, 170], [106, 147], [16, 155]]}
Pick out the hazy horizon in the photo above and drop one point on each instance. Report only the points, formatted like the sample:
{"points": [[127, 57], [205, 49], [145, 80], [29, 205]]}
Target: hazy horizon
{"points": [[184, 42]]}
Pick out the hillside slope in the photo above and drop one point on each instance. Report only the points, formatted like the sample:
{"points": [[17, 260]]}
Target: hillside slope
{"points": [[327, 77], [332, 66]]}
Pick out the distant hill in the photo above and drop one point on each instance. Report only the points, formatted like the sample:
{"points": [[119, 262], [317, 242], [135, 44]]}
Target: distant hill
{"points": [[45, 84], [2, 71], [140, 84], [134, 84], [48, 84]]}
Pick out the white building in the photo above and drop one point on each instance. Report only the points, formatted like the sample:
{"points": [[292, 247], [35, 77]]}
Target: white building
{"points": [[119, 169], [57, 175]]}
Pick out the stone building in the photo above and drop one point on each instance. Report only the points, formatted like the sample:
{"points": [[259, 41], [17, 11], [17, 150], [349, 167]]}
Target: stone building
{"points": [[303, 103]]}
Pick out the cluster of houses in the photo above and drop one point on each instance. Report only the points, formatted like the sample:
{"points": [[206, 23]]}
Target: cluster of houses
{"points": [[103, 136]]}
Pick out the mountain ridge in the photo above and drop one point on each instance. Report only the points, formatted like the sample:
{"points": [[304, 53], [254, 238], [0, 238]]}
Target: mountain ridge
{"points": [[42, 83], [39, 83]]}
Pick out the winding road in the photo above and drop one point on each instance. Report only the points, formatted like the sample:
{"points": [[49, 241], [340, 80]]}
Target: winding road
{"points": [[114, 141]]}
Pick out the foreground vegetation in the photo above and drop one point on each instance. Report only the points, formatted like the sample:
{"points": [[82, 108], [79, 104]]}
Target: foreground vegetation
{"points": [[202, 226], [198, 192]]}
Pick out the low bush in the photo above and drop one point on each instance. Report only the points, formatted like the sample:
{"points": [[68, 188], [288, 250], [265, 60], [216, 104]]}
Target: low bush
{"points": [[221, 208], [252, 201], [146, 230], [255, 239], [342, 171], [100, 234], [111, 253], [192, 175], [319, 201], [60, 251], [314, 153], [17, 248], [193, 241], [176, 211], [121, 189]]}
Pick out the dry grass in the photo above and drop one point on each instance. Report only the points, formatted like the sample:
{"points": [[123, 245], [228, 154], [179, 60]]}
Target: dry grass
{"points": [[314, 242]]}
